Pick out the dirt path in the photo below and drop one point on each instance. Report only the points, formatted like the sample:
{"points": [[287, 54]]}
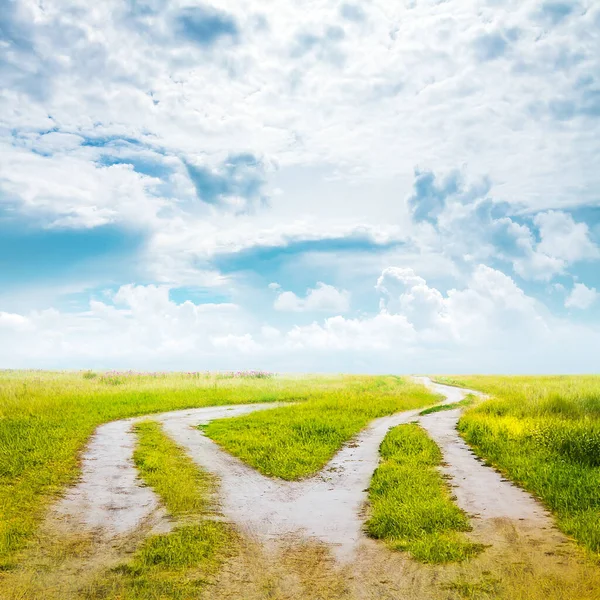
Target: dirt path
{"points": [[109, 498], [327, 507], [480, 491]]}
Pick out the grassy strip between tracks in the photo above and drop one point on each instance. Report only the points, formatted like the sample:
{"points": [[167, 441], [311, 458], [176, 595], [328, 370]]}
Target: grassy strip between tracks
{"points": [[411, 506], [297, 441], [178, 564], [544, 434], [468, 401]]}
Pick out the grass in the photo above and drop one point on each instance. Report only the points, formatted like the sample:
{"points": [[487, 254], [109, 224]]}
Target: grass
{"points": [[183, 488], [297, 441], [411, 506], [544, 434], [175, 565], [46, 418], [468, 401]]}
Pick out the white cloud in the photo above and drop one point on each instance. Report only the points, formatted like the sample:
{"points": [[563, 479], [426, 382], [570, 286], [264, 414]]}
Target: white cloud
{"points": [[488, 324], [141, 324], [323, 298], [491, 305], [15, 322], [563, 238], [581, 297], [241, 343], [337, 333]]}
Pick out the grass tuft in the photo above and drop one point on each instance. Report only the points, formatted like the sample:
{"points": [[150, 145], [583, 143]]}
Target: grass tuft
{"points": [[183, 488], [411, 505], [468, 401]]}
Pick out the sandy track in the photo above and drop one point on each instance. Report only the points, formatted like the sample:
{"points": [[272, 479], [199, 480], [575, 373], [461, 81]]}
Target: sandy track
{"points": [[326, 507], [480, 491]]}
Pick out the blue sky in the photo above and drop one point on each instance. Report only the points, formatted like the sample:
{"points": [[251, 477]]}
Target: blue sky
{"points": [[379, 186]]}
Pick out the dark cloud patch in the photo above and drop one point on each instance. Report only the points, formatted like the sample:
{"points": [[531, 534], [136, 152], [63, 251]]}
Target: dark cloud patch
{"points": [[324, 44], [353, 12], [144, 8], [556, 12], [582, 101], [205, 26], [429, 197], [304, 43], [21, 67], [490, 46], [335, 33], [240, 175]]}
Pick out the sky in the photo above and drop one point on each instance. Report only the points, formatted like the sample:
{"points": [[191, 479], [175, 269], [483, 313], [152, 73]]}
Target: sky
{"points": [[384, 186]]}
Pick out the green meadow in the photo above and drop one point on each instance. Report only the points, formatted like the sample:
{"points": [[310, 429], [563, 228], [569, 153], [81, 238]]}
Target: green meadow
{"points": [[296, 441], [541, 432], [411, 505]]}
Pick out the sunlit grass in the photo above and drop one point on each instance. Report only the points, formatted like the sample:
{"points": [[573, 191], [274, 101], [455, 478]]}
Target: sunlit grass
{"points": [[411, 507], [183, 488], [296, 441], [544, 434]]}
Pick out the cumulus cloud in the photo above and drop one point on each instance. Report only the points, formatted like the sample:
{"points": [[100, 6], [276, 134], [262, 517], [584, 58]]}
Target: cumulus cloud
{"points": [[490, 320], [15, 322], [581, 297], [411, 312], [466, 222], [138, 323], [563, 238], [468, 328], [323, 298]]}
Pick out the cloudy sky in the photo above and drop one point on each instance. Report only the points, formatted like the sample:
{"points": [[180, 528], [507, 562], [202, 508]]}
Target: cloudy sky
{"points": [[307, 185]]}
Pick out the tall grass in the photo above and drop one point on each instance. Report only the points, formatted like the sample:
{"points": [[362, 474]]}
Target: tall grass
{"points": [[544, 434], [292, 442], [46, 419], [411, 506]]}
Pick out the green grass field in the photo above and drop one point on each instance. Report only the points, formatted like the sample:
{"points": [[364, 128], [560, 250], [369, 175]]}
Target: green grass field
{"points": [[544, 434]]}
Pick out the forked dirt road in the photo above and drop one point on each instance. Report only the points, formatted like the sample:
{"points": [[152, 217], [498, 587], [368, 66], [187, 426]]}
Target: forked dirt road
{"points": [[326, 507], [303, 540]]}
